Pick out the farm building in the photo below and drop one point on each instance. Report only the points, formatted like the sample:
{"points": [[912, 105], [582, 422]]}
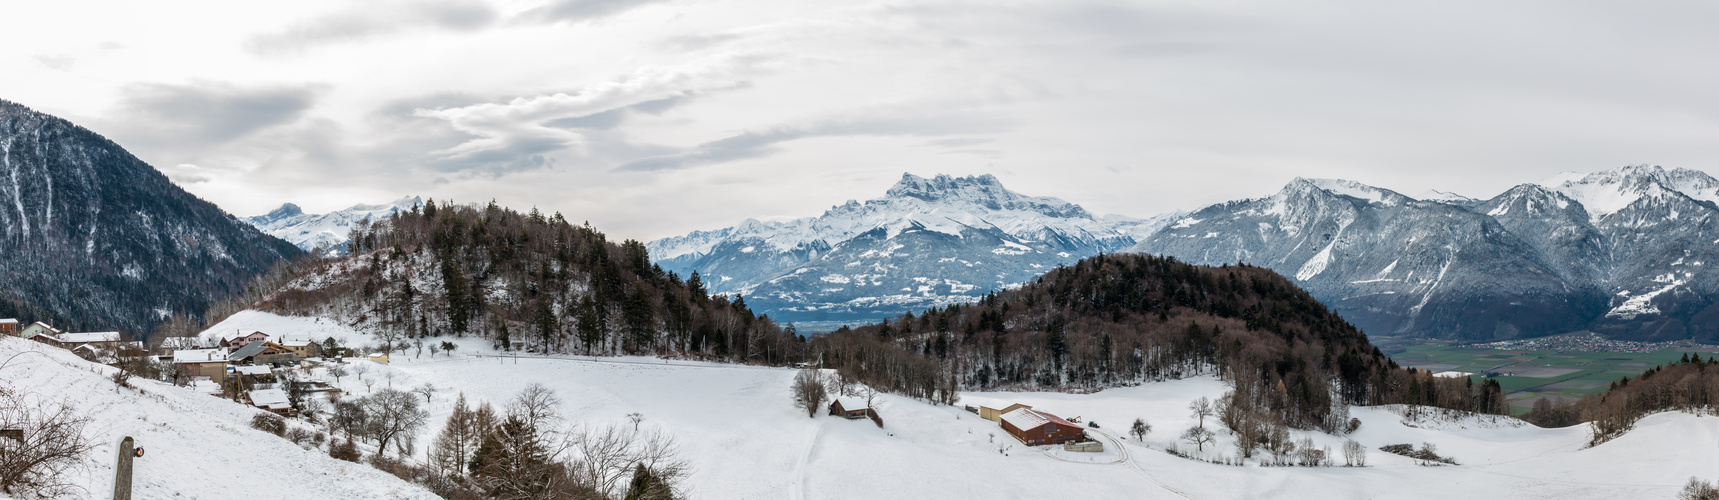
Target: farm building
{"points": [[1035, 427], [996, 415], [104, 340], [848, 408]]}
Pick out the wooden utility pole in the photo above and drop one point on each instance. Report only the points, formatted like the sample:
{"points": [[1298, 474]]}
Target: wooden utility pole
{"points": [[122, 470]]}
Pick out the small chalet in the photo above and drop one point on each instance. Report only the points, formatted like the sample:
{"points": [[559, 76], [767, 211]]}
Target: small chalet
{"points": [[1035, 427], [851, 409], [262, 353], [996, 415], [9, 326], [171, 345], [379, 357], [210, 363], [273, 400]]}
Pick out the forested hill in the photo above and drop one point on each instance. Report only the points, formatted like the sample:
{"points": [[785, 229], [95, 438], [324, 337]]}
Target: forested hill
{"points": [[93, 238], [1116, 320], [526, 281]]}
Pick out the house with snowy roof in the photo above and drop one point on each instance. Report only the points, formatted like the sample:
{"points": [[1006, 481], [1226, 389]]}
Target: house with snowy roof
{"points": [[261, 353], [104, 340], [1035, 427], [40, 329], [273, 400], [9, 326], [210, 363], [848, 408], [239, 341]]}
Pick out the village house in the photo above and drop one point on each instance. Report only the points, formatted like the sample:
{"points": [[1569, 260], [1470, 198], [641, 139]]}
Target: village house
{"points": [[1035, 427], [9, 326], [237, 342], [170, 345], [262, 353], [379, 357], [302, 348], [273, 400], [40, 328], [103, 340], [203, 363]]}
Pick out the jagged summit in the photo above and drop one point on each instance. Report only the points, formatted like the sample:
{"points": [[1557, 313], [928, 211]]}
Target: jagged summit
{"points": [[326, 231], [894, 253], [1606, 192]]}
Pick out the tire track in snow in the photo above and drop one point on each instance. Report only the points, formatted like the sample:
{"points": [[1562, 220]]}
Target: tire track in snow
{"points": [[797, 488]]}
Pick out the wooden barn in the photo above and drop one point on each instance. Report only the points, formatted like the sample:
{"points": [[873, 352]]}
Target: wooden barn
{"points": [[1035, 427], [849, 409]]}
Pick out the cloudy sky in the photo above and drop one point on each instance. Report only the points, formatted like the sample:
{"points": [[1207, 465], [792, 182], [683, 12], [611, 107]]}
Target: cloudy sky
{"points": [[655, 117]]}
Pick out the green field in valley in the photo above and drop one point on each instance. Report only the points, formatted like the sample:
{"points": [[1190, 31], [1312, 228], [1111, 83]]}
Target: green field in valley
{"points": [[1527, 375]]}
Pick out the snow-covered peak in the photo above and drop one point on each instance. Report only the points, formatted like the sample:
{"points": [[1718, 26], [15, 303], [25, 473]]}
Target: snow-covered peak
{"points": [[1443, 197], [1606, 192], [312, 231]]}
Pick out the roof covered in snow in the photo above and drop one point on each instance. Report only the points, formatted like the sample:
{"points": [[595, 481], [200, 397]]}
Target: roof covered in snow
{"points": [[850, 404], [273, 399], [253, 370], [200, 356], [79, 338], [1028, 418], [8, 321]]}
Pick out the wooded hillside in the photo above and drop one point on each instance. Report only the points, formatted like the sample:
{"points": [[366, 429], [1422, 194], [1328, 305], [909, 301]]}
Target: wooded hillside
{"points": [[1116, 320], [526, 281]]}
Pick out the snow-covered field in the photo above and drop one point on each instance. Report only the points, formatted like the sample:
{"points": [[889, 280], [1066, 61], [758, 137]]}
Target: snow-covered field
{"points": [[745, 440], [197, 446]]}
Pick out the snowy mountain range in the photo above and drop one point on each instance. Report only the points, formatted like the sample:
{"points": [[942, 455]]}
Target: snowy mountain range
{"points": [[926, 242], [324, 231], [1621, 252]]}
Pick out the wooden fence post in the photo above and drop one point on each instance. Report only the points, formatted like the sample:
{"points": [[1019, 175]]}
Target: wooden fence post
{"points": [[122, 470]]}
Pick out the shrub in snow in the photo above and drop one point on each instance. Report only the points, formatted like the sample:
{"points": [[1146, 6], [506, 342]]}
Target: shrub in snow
{"points": [[51, 442], [1699, 490], [270, 423]]}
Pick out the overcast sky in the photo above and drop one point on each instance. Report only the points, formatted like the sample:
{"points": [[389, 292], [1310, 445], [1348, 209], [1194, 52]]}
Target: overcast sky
{"points": [[655, 117]]}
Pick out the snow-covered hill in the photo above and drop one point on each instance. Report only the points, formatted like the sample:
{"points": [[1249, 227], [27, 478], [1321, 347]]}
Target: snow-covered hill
{"points": [[1622, 252], [926, 242], [198, 446], [325, 231], [736, 425]]}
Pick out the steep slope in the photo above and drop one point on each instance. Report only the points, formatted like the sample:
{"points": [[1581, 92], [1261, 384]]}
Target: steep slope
{"points": [[1622, 252], [325, 232], [1386, 262], [198, 446], [926, 242], [92, 237], [1661, 228]]}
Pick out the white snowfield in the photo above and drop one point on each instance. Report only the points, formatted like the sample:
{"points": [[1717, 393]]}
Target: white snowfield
{"points": [[196, 446], [745, 439]]}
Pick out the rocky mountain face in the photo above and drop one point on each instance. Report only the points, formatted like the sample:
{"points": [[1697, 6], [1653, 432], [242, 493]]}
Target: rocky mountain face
{"points": [[926, 242], [1622, 252], [325, 234], [93, 238]]}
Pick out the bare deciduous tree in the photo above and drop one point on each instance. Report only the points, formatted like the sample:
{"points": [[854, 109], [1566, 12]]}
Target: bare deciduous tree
{"points": [[1201, 408], [607, 456], [427, 390], [809, 392], [537, 405], [1354, 455], [53, 442], [1140, 429], [1198, 436], [394, 417]]}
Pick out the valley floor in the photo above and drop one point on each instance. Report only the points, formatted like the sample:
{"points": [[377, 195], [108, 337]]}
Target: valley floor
{"points": [[745, 439]]}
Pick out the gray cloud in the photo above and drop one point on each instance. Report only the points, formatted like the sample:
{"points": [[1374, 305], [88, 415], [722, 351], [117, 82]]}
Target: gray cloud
{"points": [[207, 113], [375, 19], [885, 122], [577, 11]]}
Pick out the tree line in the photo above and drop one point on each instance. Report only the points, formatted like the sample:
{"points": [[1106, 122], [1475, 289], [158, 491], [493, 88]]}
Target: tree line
{"points": [[1690, 384], [525, 281], [1118, 320]]}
